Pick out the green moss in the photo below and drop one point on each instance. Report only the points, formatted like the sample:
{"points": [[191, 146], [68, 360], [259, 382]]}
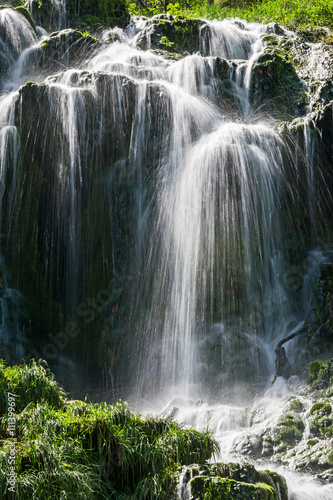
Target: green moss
{"points": [[206, 488], [296, 405], [234, 482], [321, 422], [320, 374], [323, 408], [288, 433], [275, 83], [312, 442], [179, 36]]}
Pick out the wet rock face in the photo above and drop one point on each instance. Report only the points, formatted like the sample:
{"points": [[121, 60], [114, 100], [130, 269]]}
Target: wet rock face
{"points": [[232, 481], [320, 338], [45, 195], [49, 14], [275, 85], [67, 47], [324, 295], [63, 49]]}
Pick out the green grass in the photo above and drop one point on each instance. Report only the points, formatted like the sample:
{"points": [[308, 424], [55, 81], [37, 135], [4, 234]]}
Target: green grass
{"points": [[76, 449], [289, 13]]}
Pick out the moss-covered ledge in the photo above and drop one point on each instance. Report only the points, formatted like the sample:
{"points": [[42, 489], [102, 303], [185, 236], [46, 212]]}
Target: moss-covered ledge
{"points": [[76, 449], [174, 35], [233, 482]]}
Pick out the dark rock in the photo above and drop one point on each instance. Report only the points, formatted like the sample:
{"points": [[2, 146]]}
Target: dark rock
{"points": [[282, 366], [48, 14], [275, 86], [275, 28], [65, 47], [324, 303]]}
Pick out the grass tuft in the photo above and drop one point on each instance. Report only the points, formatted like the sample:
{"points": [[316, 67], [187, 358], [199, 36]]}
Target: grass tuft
{"points": [[75, 449]]}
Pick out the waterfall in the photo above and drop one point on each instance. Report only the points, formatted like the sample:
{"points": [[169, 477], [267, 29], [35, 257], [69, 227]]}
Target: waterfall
{"points": [[149, 210], [212, 279], [195, 180], [16, 33]]}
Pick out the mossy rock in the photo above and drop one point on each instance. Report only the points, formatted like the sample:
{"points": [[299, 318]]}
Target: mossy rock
{"points": [[314, 34], [320, 375], [321, 421], [321, 408], [66, 47], [288, 432], [172, 35], [275, 86], [234, 482], [296, 405], [314, 455], [208, 488]]}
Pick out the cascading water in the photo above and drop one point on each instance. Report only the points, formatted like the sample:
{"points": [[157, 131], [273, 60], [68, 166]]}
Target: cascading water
{"points": [[193, 184], [216, 259]]}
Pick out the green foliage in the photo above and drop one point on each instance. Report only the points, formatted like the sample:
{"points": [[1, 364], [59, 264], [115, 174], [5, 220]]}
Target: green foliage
{"points": [[165, 41], [30, 383], [75, 449], [154, 7], [290, 13], [174, 9]]}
